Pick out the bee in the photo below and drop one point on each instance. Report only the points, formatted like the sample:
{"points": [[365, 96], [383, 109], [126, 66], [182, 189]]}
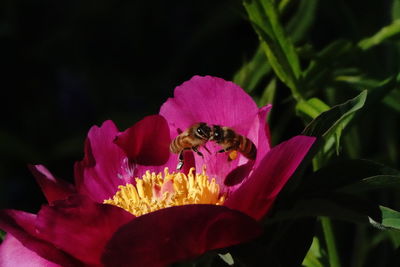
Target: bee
{"points": [[232, 142], [192, 138]]}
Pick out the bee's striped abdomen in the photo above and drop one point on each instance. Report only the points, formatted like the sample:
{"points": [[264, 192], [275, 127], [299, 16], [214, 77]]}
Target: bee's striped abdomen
{"points": [[247, 147]]}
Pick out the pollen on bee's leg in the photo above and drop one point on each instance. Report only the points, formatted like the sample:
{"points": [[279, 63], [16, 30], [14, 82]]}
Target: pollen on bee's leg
{"points": [[232, 155], [163, 190]]}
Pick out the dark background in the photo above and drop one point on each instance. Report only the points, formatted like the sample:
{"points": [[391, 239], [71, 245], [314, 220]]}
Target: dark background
{"points": [[70, 64]]}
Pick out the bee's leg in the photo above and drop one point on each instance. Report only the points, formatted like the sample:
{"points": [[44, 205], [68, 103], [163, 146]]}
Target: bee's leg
{"points": [[207, 149], [195, 149], [180, 158]]}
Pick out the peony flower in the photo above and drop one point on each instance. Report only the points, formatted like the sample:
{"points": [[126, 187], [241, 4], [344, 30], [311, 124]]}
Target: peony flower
{"points": [[131, 207]]}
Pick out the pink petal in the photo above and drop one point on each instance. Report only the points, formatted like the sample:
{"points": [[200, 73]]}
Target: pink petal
{"points": [[216, 101], [53, 189], [259, 133], [178, 233], [21, 225], [211, 100], [80, 226], [219, 167], [101, 171], [146, 142], [256, 195], [13, 253]]}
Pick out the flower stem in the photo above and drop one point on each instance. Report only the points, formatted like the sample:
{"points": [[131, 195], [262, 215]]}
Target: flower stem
{"points": [[330, 242]]}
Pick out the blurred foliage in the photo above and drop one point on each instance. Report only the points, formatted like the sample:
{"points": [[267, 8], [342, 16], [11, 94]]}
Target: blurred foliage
{"points": [[330, 69]]}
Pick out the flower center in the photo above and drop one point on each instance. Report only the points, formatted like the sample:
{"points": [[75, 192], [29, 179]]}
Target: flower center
{"points": [[154, 192]]}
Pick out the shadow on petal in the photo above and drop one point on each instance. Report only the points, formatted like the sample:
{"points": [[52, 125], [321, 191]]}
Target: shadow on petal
{"points": [[79, 220], [146, 142], [236, 176], [178, 233]]}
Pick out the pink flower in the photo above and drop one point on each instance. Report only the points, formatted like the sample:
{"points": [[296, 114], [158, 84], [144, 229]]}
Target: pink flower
{"points": [[174, 216]]}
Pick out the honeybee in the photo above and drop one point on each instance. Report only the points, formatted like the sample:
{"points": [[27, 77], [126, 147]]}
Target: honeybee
{"points": [[233, 142], [192, 138]]}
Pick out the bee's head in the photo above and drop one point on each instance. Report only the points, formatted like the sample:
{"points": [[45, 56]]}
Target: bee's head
{"points": [[217, 133], [203, 131]]}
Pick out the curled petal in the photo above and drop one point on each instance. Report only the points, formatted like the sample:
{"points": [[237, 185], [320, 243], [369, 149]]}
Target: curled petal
{"points": [[232, 173], [53, 189], [255, 196], [97, 174], [80, 226], [178, 233], [146, 142], [13, 253]]}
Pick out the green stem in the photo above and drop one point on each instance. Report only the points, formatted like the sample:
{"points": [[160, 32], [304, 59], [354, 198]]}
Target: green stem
{"points": [[330, 242]]}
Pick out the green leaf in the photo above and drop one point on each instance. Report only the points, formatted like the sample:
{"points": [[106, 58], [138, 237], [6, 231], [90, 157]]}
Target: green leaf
{"points": [[227, 258], [341, 207], [268, 94], [302, 20], [392, 100], [334, 205], [283, 5], [374, 183], [313, 256], [278, 48], [350, 176], [252, 72], [394, 236], [312, 107], [396, 9], [359, 81], [390, 31], [390, 219], [333, 121], [324, 62], [386, 90]]}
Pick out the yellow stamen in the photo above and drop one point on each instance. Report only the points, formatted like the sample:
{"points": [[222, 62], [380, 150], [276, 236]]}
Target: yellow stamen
{"points": [[154, 192]]}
